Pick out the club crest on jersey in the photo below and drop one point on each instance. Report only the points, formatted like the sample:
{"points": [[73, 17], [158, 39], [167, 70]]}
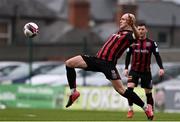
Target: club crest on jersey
{"points": [[148, 44], [113, 73]]}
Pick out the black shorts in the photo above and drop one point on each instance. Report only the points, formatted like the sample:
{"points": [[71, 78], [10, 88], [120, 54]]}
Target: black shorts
{"points": [[99, 65], [145, 77]]}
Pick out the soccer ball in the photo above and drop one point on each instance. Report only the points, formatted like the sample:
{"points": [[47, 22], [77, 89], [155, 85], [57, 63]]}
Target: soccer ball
{"points": [[30, 29]]}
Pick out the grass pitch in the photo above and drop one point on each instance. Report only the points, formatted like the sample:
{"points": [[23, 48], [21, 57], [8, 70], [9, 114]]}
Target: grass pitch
{"points": [[77, 115]]}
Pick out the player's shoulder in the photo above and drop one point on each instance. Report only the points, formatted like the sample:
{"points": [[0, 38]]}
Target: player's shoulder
{"points": [[129, 34], [151, 40], [125, 32]]}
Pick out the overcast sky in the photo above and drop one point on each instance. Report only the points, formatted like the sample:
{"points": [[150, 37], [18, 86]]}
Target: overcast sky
{"points": [[177, 1]]}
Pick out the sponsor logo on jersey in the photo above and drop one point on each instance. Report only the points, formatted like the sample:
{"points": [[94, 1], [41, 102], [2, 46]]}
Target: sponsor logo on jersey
{"points": [[135, 44], [141, 51]]}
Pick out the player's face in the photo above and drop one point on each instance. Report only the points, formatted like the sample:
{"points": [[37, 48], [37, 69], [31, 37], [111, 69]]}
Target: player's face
{"points": [[142, 31], [123, 22]]}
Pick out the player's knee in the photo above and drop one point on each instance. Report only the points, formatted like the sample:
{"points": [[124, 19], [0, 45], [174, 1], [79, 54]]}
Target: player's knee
{"points": [[130, 85], [147, 91], [129, 78], [69, 63], [130, 89], [120, 90]]}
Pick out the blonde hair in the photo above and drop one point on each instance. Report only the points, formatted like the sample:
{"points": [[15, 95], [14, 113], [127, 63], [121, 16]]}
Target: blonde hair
{"points": [[126, 15]]}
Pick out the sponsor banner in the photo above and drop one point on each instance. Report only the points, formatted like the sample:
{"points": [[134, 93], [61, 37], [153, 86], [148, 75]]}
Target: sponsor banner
{"points": [[168, 99], [28, 96], [101, 98], [159, 99]]}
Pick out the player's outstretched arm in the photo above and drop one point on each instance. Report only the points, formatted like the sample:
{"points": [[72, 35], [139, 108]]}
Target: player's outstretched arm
{"points": [[131, 22]]}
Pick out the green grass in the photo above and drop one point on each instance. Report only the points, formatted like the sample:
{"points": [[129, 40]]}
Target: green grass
{"points": [[77, 115]]}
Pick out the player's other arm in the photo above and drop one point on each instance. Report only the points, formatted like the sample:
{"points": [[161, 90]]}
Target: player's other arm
{"points": [[132, 22], [127, 60], [158, 58], [135, 31]]}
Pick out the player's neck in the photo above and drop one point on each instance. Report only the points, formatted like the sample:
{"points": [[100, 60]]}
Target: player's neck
{"points": [[127, 28], [142, 38]]}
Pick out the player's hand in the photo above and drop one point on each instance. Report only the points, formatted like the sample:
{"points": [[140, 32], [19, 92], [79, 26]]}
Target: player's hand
{"points": [[161, 72], [126, 72], [131, 20]]}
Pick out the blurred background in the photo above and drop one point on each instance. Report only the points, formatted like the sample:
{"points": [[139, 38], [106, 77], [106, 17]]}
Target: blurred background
{"points": [[32, 71]]}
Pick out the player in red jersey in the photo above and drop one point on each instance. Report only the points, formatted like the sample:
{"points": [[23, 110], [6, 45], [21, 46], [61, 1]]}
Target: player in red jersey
{"points": [[105, 62], [141, 52]]}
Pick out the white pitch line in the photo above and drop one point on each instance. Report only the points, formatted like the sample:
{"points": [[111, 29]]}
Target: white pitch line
{"points": [[31, 115]]}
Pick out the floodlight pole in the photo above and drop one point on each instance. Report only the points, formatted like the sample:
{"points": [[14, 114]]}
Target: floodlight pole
{"points": [[84, 51], [172, 30], [30, 56]]}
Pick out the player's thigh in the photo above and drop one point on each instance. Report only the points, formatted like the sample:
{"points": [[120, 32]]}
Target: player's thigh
{"points": [[147, 90], [76, 62], [118, 86], [110, 71], [146, 80], [93, 63], [134, 79]]}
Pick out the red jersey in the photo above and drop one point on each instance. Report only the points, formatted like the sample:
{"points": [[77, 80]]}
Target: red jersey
{"points": [[141, 52], [116, 44]]}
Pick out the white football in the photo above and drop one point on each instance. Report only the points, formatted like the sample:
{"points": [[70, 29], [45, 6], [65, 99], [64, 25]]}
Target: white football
{"points": [[30, 29]]}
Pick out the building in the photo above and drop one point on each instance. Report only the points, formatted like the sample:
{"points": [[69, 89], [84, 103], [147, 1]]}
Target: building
{"points": [[70, 27]]}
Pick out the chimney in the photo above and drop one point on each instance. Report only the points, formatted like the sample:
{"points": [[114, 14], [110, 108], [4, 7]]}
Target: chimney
{"points": [[78, 13], [126, 6]]}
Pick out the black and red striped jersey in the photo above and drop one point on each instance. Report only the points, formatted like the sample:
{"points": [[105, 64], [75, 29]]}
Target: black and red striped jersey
{"points": [[141, 52], [115, 45]]}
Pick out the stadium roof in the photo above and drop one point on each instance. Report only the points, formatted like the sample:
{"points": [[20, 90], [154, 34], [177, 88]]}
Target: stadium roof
{"points": [[159, 13], [63, 33], [25, 8], [155, 12]]}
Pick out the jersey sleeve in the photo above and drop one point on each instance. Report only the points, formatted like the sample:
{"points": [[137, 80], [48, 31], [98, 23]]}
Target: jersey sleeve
{"points": [[131, 38], [155, 51], [128, 57]]}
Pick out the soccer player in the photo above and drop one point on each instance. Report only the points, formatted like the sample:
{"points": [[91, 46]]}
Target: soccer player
{"points": [[105, 62], [141, 52]]}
